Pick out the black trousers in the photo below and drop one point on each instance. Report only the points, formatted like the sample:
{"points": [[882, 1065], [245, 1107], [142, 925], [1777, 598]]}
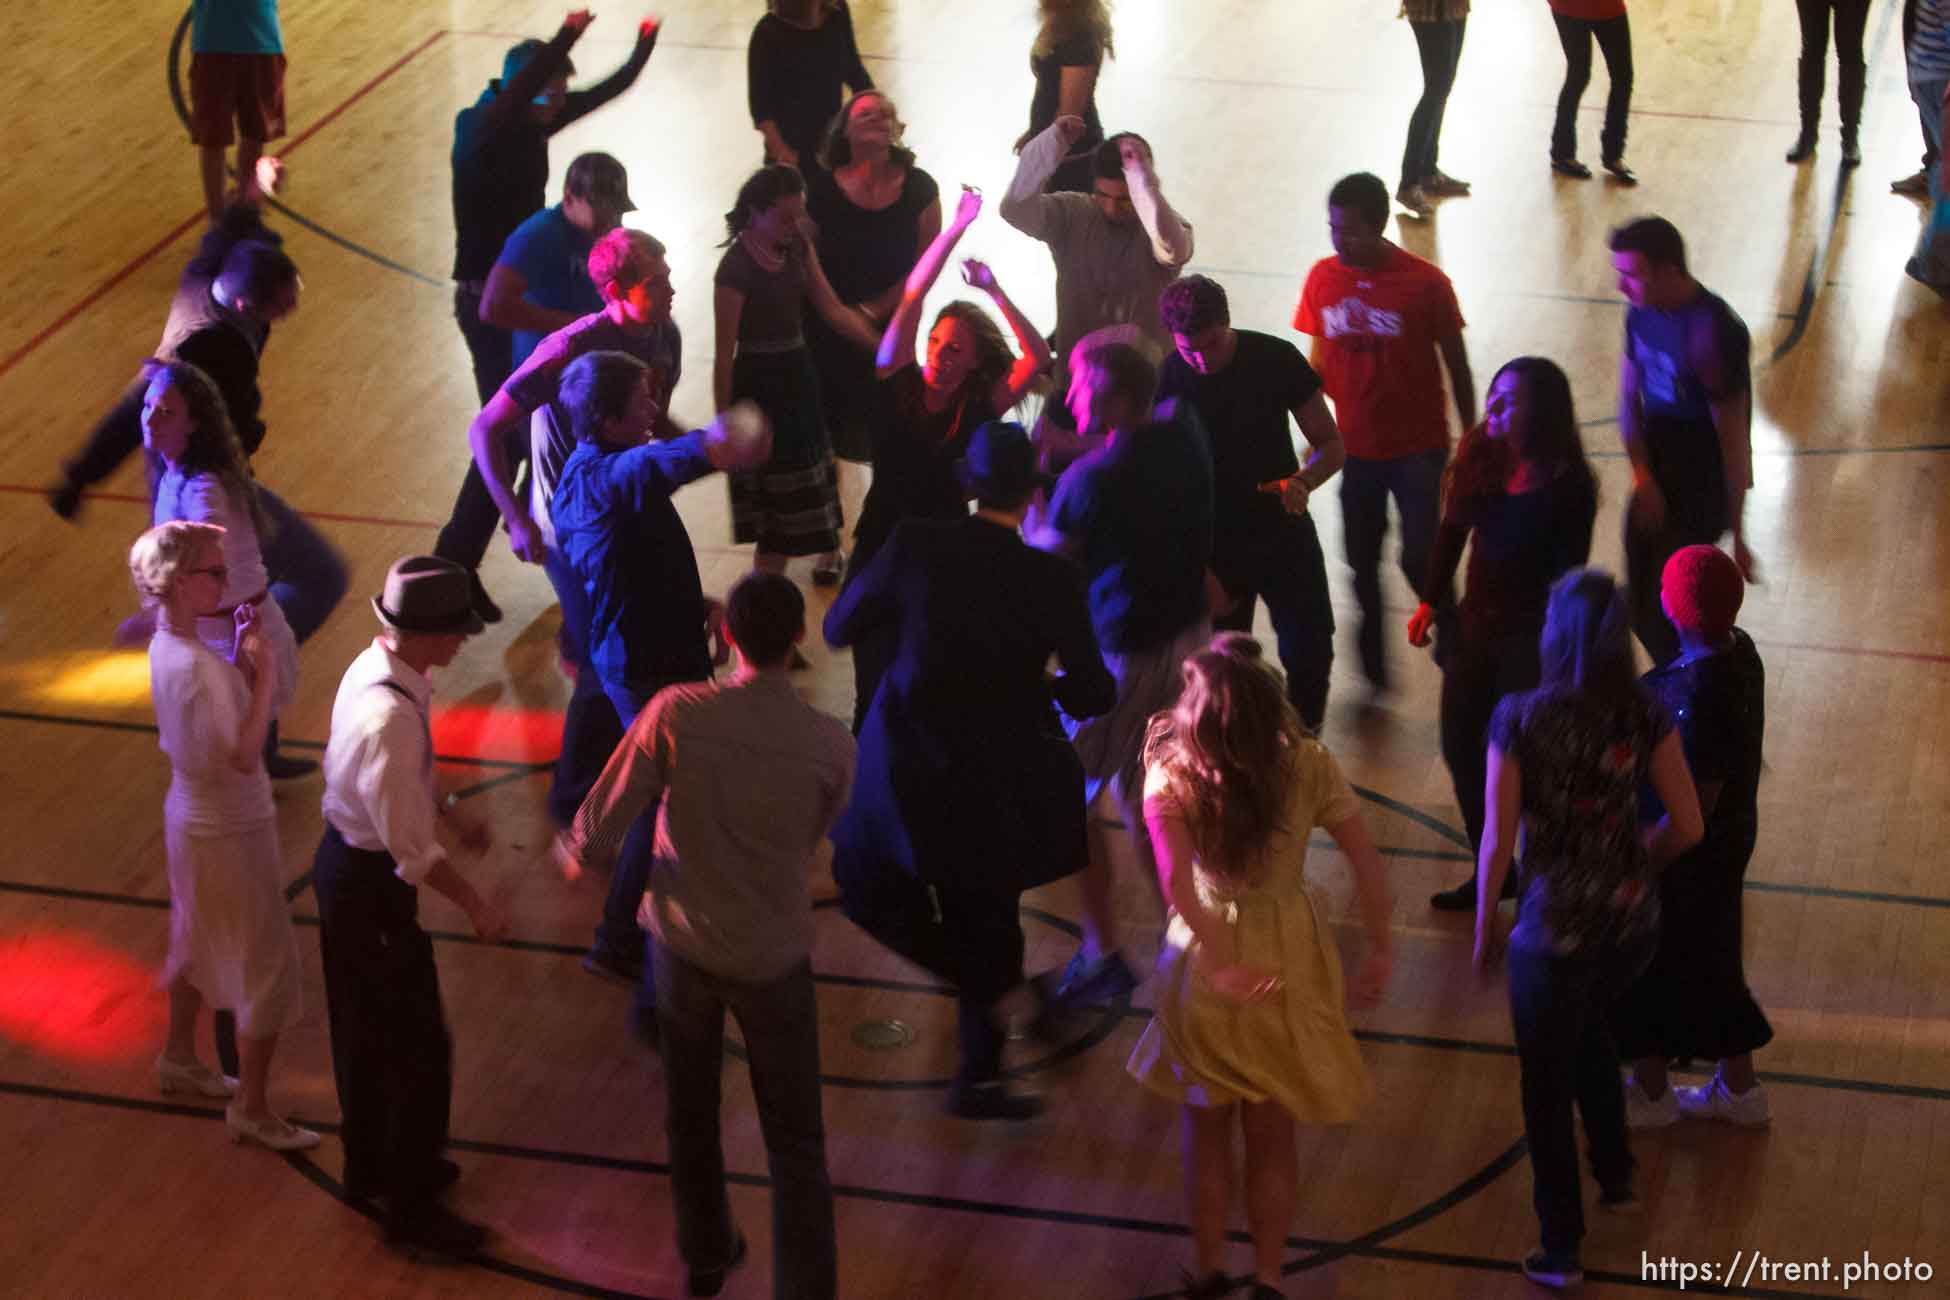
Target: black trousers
{"points": [[1614, 36], [1559, 1006], [1474, 681], [1440, 45], [970, 937], [1687, 523], [392, 1057], [1851, 20], [1290, 575], [470, 525]]}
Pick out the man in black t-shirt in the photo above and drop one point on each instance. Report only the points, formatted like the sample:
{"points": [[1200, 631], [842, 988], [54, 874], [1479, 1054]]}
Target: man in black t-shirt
{"points": [[1685, 415], [1243, 385]]}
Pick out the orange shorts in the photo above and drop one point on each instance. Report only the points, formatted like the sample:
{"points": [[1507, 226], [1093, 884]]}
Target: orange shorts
{"points": [[247, 89]]}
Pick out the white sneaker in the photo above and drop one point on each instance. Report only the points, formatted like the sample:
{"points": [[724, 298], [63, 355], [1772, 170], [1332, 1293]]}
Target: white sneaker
{"points": [[1642, 1112], [1716, 1101]]}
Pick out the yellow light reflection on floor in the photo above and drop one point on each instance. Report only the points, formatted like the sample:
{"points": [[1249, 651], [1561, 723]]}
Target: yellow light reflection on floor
{"points": [[106, 678]]}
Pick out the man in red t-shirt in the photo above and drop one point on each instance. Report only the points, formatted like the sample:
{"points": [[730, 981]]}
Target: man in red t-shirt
{"points": [[1380, 317]]}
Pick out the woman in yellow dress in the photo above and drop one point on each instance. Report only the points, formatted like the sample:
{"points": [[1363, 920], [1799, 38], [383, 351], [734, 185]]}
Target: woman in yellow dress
{"points": [[1249, 1027]]}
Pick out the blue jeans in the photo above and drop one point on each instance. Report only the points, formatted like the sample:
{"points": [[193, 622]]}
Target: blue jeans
{"points": [[1416, 484], [780, 1022], [1440, 46], [308, 576], [1560, 1007]]}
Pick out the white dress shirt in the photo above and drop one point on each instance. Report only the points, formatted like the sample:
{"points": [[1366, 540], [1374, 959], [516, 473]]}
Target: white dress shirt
{"points": [[379, 790]]}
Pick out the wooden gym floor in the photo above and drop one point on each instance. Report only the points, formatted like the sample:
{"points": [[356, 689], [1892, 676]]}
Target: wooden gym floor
{"points": [[1254, 108]]}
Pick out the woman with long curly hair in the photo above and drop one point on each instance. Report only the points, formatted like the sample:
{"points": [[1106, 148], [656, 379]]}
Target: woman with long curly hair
{"points": [[925, 405], [205, 478], [1071, 46], [1249, 1030], [1521, 494]]}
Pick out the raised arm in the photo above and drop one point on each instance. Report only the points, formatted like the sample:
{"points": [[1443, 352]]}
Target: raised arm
{"points": [[1171, 237], [544, 67], [581, 103], [1025, 206], [1034, 354], [896, 345]]}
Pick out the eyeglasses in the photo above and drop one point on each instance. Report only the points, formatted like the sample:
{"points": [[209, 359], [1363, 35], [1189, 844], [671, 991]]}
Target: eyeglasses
{"points": [[217, 571]]}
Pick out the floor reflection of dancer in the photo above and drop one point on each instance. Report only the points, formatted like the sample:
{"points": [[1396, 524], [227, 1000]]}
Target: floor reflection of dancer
{"points": [[967, 793], [1521, 495], [1249, 1032], [230, 940]]}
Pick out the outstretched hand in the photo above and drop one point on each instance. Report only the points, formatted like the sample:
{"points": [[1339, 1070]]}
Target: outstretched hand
{"points": [[1420, 623], [1071, 128], [740, 438], [578, 20], [969, 208], [1134, 153], [646, 31]]}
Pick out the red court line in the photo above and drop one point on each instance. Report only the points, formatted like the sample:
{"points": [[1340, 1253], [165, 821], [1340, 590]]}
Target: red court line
{"points": [[101, 290]]}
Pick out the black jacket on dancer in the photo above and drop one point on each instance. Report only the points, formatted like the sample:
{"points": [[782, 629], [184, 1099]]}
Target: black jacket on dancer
{"points": [[222, 343], [966, 792]]}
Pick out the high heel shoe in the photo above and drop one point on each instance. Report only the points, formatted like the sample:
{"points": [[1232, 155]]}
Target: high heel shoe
{"points": [[269, 1132], [195, 1079]]}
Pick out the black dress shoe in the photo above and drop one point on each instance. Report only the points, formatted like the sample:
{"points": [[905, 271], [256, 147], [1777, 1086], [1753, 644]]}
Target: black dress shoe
{"points": [[436, 1229], [1571, 167], [1620, 172], [1463, 897], [992, 1099], [483, 603], [65, 496], [1804, 147], [1212, 1286], [1851, 151], [710, 1281]]}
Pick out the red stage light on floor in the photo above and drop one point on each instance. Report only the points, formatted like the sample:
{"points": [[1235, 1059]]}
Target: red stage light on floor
{"points": [[69, 997]]}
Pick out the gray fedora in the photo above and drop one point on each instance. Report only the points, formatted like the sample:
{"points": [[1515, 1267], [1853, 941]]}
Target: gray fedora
{"points": [[429, 595]]}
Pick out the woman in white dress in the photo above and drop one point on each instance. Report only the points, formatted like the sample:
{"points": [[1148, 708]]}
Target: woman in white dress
{"points": [[230, 939]]}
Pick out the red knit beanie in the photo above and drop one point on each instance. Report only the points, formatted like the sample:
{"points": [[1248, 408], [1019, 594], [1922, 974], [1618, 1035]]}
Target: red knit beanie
{"points": [[1702, 589]]}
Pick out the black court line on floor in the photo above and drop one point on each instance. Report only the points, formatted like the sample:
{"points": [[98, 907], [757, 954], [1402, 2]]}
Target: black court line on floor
{"points": [[518, 767], [1323, 1251], [1123, 1009]]}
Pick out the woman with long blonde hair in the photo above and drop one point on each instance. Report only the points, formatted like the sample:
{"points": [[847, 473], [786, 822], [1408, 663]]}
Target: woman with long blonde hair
{"points": [[1249, 1029]]}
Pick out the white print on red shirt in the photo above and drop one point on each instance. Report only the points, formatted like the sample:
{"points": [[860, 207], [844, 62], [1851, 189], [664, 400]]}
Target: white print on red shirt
{"points": [[1351, 316]]}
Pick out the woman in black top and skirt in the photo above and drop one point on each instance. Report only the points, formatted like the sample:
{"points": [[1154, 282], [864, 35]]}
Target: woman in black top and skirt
{"points": [[1693, 1001], [770, 272], [922, 408], [1522, 495], [874, 211], [1067, 57]]}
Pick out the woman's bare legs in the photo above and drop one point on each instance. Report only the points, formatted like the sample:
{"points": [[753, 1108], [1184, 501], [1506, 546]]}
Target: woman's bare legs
{"points": [[184, 1004], [254, 1068], [1272, 1183], [1208, 1182]]}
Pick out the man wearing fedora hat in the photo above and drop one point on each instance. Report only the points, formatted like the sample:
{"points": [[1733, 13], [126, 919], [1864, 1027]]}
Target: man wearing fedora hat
{"points": [[392, 1057], [967, 792]]}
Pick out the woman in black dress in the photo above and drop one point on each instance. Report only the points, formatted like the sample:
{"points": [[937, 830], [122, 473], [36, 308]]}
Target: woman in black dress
{"points": [[921, 410], [1693, 1001], [769, 273], [1068, 55], [801, 59], [874, 211], [1521, 493], [966, 792]]}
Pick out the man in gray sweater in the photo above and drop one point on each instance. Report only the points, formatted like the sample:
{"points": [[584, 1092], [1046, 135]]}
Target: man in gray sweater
{"points": [[745, 779]]}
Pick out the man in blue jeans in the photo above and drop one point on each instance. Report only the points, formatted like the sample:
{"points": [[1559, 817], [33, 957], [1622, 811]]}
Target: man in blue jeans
{"points": [[616, 527], [742, 781], [1385, 324]]}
